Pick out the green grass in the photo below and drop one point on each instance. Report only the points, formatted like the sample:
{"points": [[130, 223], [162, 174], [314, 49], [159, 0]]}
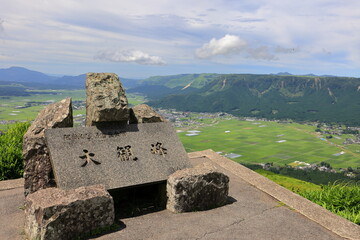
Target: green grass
{"points": [[259, 144], [290, 183], [341, 199], [11, 162]]}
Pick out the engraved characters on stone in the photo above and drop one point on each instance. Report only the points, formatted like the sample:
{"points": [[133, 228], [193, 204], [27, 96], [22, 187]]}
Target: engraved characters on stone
{"points": [[158, 149], [126, 153], [88, 156]]}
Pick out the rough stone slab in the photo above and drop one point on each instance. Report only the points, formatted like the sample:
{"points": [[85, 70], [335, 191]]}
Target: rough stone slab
{"points": [[59, 214], [37, 166], [143, 113], [196, 189], [105, 99], [87, 155]]}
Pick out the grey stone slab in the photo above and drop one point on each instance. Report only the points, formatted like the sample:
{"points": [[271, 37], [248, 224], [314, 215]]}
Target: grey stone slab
{"points": [[88, 155]]}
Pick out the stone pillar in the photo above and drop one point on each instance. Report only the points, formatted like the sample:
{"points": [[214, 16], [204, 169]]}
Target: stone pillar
{"points": [[37, 167], [106, 101]]}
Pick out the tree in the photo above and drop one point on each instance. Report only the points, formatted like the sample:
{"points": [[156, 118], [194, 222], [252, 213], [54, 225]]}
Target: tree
{"points": [[325, 164]]}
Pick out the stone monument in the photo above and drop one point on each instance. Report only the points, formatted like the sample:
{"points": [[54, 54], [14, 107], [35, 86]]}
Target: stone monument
{"points": [[109, 151], [117, 157], [120, 148]]}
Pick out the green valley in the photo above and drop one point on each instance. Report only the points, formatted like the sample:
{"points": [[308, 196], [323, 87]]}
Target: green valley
{"points": [[301, 98], [270, 142]]}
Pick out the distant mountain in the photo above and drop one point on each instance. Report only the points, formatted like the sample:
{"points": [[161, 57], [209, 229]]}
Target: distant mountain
{"points": [[180, 80], [328, 76], [302, 98], [38, 80], [308, 75], [283, 74], [19, 74], [160, 86], [75, 81], [129, 82]]}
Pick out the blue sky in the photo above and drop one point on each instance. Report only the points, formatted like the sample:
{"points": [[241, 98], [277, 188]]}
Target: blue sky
{"points": [[142, 38]]}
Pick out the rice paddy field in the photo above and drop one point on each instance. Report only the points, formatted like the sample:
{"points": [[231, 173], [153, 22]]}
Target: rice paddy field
{"points": [[17, 107], [264, 142], [11, 108]]}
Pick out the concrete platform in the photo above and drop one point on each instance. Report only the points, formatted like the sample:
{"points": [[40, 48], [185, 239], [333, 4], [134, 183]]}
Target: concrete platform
{"points": [[260, 209]]}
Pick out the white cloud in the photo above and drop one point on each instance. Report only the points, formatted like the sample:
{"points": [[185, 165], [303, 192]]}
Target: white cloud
{"points": [[234, 45], [130, 56], [1, 26], [229, 44], [72, 31]]}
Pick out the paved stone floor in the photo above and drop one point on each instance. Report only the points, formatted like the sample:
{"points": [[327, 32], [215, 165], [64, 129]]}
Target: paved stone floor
{"points": [[251, 213]]}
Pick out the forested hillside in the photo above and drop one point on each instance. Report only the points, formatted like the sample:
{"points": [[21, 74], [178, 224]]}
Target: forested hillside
{"points": [[302, 98]]}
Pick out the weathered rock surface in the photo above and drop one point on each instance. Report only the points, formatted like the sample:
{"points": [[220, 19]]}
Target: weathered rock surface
{"points": [[105, 99], [196, 189], [54, 213], [37, 166], [143, 113]]}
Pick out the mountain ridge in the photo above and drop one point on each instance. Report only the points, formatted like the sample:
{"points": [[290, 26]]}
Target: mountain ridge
{"points": [[35, 79], [327, 99]]}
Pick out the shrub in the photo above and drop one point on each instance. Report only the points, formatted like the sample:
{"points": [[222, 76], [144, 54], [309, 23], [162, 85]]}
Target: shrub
{"points": [[342, 199], [11, 161]]}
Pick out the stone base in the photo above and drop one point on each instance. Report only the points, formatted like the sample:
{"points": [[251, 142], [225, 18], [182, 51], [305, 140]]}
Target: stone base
{"points": [[53, 213], [196, 189]]}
